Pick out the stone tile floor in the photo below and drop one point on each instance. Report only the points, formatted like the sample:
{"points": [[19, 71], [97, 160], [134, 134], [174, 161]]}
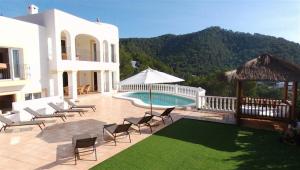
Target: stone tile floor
{"points": [[31, 148]]}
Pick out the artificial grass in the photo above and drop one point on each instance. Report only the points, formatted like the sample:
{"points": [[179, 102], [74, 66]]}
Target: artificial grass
{"points": [[192, 144]]}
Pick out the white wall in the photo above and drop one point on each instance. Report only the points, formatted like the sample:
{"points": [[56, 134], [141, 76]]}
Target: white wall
{"points": [[32, 40], [55, 22], [40, 105]]}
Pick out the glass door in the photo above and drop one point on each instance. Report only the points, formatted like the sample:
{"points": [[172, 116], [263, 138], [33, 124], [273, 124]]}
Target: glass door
{"points": [[15, 63]]}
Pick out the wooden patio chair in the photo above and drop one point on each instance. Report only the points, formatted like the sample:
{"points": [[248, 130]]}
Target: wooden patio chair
{"points": [[80, 90], [165, 114], [139, 121], [115, 129], [37, 115], [84, 143], [87, 89], [60, 110], [75, 106], [66, 90], [8, 123]]}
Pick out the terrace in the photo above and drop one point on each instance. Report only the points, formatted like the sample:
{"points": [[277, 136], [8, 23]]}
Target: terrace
{"points": [[31, 148]]}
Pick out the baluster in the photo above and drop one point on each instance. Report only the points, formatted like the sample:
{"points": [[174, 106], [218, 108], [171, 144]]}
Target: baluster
{"points": [[225, 104]]}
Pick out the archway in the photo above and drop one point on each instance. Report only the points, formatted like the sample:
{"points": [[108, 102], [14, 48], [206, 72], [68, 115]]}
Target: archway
{"points": [[87, 48]]}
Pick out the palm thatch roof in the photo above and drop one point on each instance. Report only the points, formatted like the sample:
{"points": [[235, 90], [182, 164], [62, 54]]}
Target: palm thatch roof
{"points": [[266, 68]]}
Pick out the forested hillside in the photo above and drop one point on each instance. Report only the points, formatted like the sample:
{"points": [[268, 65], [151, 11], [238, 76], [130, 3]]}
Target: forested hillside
{"points": [[201, 57]]}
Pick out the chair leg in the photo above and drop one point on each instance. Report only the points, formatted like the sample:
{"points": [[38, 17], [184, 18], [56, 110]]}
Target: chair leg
{"points": [[75, 158], [103, 133], [139, 129], [115, 140], [129, 137], [79, 113], [95, 152], [43, 124], [94, 109], [163, 120], [4, 128], [149, 127], [171, 118], [40, 126], [62, 118]]}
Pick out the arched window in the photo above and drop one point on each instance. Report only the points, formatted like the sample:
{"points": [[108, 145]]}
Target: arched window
{"points": [[105, 51], [65, 45]]}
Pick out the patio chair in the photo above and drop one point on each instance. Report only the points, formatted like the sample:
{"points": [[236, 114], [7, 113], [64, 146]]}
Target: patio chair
{"points": [[87, 88], [114, 129], [80, 90], [165, 114], [86, 142], [66, 90], [60, 110], [73, 105], [138, 121], [37, 115], [8, 123]]}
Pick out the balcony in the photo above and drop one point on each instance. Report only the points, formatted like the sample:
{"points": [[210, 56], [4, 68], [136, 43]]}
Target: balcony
{"points": [[86, 65]]}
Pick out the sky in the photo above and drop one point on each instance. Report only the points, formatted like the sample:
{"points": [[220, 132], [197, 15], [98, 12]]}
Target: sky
{"points": [[150, 18]]}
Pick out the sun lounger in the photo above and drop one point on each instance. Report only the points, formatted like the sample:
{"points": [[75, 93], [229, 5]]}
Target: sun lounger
{"points": [[37, 115], [8, 123], [114, 129], [140, 121], [165, 114], [60, 110], [75, 106]]}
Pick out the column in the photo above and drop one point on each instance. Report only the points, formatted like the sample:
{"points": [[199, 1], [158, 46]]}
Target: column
{"points": [[58, 85], [110, 81], [102, 81], [99, 88], [72, 48], [72, 84]]}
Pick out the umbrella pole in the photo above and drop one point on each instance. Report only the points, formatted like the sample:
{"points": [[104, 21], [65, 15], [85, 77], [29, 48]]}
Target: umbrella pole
{"points": [[150, 88]]}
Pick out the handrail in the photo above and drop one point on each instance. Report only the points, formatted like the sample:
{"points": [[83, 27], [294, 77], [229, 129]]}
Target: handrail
{"points": [[187, 91], [217, 103]]}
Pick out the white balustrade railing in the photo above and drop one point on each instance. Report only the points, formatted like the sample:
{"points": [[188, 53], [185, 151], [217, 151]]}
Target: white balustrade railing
{"points": [[210, 103], [217, 103], [187, 91]]}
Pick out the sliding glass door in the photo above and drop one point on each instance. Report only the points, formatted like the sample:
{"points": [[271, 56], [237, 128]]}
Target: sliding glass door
{"points": [[15, 63]]}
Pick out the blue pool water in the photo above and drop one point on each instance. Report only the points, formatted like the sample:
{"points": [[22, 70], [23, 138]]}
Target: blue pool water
{"points": [[161, 99]]}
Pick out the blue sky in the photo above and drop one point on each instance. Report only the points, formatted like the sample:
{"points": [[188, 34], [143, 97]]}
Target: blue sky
{"points": [[148, 18]]}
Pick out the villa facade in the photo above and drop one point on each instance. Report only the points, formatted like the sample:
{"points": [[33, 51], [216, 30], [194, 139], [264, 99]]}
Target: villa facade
{"points": [[54, 53]]}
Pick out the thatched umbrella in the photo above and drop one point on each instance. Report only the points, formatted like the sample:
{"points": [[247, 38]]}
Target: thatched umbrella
{"points": [[266, 68]]}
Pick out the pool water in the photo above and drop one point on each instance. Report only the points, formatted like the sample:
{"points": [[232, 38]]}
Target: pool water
{"points": [[161, 99]]}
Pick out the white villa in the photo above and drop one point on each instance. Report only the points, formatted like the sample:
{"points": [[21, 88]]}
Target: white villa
{"points": [[53, 53]]}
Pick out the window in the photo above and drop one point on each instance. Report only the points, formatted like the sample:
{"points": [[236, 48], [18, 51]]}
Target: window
{"points": [[30, 96], [16, 63], [113, 54], [37, 95]]}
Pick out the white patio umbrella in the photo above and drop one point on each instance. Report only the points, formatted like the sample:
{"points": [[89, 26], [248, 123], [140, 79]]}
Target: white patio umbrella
{"points": [[150, 76]]}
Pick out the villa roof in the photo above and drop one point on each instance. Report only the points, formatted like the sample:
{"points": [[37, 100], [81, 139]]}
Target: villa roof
{"points": [[266, 67]]}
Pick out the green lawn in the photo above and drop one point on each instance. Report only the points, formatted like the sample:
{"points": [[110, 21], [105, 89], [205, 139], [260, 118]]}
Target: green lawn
{"points": [[192, 144]]}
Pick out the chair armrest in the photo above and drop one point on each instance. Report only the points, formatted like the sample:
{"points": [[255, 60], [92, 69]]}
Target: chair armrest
{"points": [[108, 125]]}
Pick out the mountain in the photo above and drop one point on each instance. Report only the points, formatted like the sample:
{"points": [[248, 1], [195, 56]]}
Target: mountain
{"points": [[201, 53]]}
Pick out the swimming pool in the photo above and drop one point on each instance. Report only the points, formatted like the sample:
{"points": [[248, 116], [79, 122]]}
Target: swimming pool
{"points": [[159, 100]]}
